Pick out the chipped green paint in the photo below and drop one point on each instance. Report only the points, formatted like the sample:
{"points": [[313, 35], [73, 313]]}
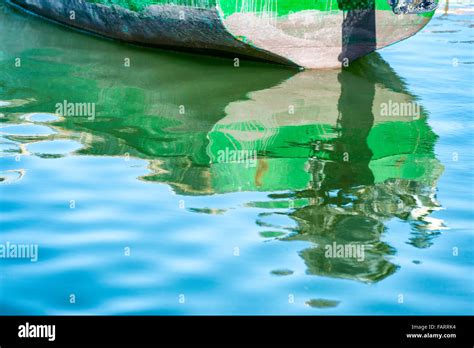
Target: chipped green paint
{"points": [[287, 7], [139, 5], [280, 7]]}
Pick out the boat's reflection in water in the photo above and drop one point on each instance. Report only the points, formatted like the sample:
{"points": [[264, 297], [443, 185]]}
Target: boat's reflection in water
{"points": [[350, 159], [341, 153]]}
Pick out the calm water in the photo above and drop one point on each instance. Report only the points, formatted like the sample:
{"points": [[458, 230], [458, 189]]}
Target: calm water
{"points": [[158, 205]]}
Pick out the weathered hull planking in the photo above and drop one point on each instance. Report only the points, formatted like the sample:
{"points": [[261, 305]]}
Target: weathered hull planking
{"points": [[309, 34]]}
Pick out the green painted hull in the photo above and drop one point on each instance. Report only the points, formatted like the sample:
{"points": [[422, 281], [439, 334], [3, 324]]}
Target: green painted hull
{"points": [[305, 33]]}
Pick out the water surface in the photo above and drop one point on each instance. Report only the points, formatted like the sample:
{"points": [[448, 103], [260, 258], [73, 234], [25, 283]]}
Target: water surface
{"points": [[201, 188]]}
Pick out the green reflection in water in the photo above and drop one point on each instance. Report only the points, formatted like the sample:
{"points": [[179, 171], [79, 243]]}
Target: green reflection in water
{"points": [[320, 143]]}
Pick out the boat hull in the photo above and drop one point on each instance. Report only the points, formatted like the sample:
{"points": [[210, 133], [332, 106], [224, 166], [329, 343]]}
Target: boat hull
{"points": [[309, 37]]}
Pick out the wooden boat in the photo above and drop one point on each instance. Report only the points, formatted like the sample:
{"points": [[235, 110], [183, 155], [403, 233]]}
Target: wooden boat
{"points": [[305, 33]]}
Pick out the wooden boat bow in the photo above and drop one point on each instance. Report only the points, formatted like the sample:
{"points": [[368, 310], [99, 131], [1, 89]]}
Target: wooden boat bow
{"points": [[304, 33]]}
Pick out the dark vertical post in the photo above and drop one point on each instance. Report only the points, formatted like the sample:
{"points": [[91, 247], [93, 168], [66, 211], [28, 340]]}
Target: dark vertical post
{"points": [[358, 29]]}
